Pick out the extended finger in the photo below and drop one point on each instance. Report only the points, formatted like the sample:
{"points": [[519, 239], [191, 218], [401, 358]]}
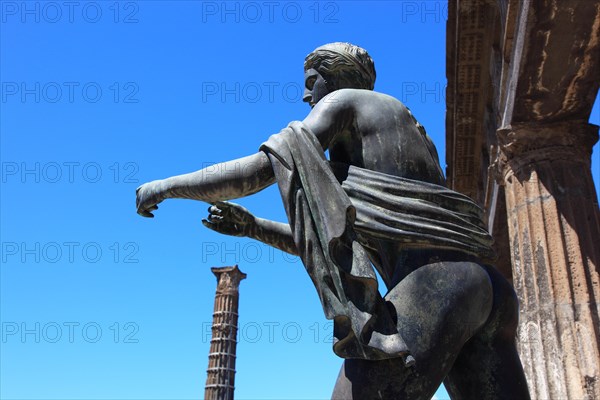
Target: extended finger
{"points": [[145, 213], [214, 210]]}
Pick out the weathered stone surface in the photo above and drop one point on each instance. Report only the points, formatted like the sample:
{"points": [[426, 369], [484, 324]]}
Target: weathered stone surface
{"points": [[554, 226], [220, 379], [560, 75], [543, 73], [472, 73]]}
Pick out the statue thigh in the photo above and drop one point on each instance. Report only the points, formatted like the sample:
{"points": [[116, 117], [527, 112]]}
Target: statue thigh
{"points": [[439, 307], [488, 366]]}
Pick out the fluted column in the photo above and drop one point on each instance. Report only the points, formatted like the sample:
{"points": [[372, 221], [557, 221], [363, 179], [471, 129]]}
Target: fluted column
{"points": [[553, 221], [220, 379]]}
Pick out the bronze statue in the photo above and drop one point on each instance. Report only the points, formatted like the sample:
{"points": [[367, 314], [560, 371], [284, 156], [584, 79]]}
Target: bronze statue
{"points": [[378, 201]]}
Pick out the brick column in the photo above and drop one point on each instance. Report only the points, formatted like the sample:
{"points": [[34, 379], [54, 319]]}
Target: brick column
{"points": [[554, 226], [220, 380]]}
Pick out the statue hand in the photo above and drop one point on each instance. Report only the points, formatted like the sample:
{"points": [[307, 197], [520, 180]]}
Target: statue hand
{"points": [[148, 196], [229, 219]]}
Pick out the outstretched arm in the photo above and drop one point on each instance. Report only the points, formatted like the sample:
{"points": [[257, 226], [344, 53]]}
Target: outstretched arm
{"points": [[233, 219], [276, 234], [224, 181], [247, 175]]}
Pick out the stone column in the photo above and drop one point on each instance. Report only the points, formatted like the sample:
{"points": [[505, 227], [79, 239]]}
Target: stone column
{"points": [[220, 380], [554, 226]]}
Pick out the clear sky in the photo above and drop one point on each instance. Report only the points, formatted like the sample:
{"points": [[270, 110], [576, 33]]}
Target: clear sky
{"points": [[99, 97]]}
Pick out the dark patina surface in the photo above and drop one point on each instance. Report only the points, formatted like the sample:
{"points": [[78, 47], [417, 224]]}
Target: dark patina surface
{"points": [[377, 203]]}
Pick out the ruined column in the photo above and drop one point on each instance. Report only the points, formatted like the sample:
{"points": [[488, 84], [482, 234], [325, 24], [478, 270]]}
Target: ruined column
{"points": [[554, 226], [220, 380]]}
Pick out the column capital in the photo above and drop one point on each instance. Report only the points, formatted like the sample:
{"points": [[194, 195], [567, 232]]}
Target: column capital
{"points": [[523, 145], [228, 278]]}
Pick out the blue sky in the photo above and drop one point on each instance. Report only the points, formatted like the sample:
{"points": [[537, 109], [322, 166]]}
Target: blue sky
{"points": [[99, 97]]}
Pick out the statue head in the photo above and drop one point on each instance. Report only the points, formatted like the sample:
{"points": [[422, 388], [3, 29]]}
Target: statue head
{"points": [[342, 65]]}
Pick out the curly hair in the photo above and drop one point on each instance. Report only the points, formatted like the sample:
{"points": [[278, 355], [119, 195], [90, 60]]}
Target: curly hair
{"points": [[343, 65]]}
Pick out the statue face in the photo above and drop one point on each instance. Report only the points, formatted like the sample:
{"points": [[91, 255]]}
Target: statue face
{"points": [[315, 87]]}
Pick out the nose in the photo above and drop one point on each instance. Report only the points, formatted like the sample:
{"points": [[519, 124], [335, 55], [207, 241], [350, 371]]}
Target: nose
{"points": [[307, 97]]}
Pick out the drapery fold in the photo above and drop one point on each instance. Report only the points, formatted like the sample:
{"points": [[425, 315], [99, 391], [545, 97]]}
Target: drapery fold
{"points": [[328, 218]]}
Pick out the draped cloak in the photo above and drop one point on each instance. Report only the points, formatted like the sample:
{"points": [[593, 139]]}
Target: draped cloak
{"points": [[329, 221]]}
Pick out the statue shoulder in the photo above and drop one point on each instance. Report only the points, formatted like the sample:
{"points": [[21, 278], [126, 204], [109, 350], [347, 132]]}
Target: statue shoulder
{"points": [[360, 96], [365, 102]]}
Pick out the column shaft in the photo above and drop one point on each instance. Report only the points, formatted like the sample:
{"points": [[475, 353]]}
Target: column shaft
{"points": [[554, 226], [220, 379]]}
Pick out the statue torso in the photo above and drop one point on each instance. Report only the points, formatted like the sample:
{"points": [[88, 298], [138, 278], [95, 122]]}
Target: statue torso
{"points": [[383, 137]]}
